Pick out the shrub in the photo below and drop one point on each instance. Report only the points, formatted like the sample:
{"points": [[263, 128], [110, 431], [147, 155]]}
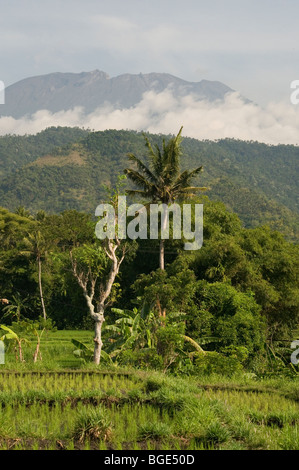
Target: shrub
{"points": [[142, 359], [217, 363]]}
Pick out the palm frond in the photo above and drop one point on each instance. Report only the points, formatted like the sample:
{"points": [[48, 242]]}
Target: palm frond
{"points": [[138, 179], [171, 157], [157, 161], [142, 167], [161, 180], [184, 179]]}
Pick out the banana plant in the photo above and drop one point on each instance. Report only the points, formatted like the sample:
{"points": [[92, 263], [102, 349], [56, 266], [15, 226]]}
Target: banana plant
{"points": [[15, 307], [16, 341], [137, 328], [131, 328], [86, 353]]}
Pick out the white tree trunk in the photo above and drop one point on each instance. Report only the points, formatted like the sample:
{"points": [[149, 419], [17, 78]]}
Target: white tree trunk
{"points": [[99, 319], [98, 343]]}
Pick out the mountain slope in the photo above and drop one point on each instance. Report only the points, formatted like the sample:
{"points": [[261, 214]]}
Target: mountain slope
{"points": [[257, 181], [90, 90], [17, 151]]}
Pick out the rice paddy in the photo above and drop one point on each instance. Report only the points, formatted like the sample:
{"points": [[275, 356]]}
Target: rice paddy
{"points": [[112, 409]]}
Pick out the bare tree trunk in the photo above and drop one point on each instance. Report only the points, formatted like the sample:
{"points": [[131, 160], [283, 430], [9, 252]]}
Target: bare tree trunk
{"points": [[99, 319], [40, 287]]}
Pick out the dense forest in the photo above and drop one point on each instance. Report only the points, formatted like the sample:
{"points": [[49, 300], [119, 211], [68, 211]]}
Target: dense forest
{"points": [[63, 168]]}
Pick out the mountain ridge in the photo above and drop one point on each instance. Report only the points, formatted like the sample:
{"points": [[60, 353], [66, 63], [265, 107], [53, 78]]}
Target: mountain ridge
{"points": [[90, 90]]}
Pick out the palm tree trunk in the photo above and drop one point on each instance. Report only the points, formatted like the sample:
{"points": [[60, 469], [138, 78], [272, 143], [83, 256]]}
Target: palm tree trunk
{"points": [[162, 241], [40, 287]]}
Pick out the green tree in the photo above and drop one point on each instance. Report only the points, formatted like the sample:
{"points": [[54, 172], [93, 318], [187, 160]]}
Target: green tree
{"points": [[95, 267], [233, 317], [162, 180], [168, 290]]}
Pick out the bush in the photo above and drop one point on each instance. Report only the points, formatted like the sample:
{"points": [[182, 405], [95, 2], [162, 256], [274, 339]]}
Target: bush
{"points": [[142, 359], [216, 363], [169, 340], [231, 316]]}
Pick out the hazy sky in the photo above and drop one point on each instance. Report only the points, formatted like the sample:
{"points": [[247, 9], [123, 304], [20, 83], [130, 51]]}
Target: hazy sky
{"points": [[252, 46]]}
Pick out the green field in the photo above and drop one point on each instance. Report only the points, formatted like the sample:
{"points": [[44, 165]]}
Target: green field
{"points": [[64, 404]]}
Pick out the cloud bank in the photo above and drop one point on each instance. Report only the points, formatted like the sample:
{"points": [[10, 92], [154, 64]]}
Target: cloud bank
{"points": [[277, 123]]}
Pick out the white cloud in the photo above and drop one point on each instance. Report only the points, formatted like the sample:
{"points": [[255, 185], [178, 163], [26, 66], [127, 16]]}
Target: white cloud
{"points": [[165, 113]]}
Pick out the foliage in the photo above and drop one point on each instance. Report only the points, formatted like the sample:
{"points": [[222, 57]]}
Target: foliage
{"points": [[237, 173], [217, 363], [232, 316], [15, 308], [16, 340], [15, 151], [22, 332], [162, 181], [86, 353]]}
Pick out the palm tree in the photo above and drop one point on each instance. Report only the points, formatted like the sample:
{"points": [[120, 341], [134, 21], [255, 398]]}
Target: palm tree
{"points": [[162, 181]]}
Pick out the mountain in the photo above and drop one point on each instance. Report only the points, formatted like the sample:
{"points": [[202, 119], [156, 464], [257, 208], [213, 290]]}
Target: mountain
{"points": [[257, 181], [62, 91]]}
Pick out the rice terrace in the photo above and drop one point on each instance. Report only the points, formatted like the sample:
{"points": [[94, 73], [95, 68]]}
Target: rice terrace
{"points": [[63, 406]]}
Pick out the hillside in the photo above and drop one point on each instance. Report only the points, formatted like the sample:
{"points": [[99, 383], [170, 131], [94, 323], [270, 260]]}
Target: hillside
{"points": [[257, 181], [17, 151]]}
